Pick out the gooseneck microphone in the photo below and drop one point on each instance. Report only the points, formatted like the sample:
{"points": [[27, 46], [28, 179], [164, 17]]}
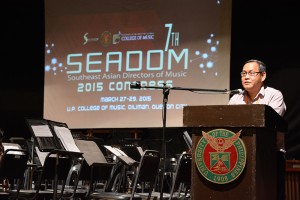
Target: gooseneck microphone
{"points": [[237, 91], [135, 85]]}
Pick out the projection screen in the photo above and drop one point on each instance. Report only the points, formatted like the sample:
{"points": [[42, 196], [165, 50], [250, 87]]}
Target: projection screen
{"points": [[94, 51]]}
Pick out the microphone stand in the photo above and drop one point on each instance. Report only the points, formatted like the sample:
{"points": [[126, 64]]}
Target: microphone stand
{"points": [[166, 92]]}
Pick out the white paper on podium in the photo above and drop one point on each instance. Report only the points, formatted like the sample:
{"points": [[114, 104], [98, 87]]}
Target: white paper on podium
{"points": [[121, 155], [140, 150], [91, 151], [42, 131], [65, 136], [114, 150], [42, 155]]}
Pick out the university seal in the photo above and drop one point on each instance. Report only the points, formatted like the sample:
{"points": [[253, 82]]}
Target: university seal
{"points": [[220, 156]]}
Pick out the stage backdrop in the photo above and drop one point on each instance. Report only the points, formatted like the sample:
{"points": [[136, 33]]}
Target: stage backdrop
{"points": [[95, 49]]}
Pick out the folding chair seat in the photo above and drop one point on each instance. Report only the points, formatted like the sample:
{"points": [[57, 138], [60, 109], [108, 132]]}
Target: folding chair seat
{"points": [[146, 174]]}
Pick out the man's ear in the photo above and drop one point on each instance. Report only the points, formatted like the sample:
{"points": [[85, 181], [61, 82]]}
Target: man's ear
{"points": [[263, 76]]}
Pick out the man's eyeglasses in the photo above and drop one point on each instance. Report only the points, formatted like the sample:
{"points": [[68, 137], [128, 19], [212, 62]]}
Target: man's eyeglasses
{"points": [[251, 73]]}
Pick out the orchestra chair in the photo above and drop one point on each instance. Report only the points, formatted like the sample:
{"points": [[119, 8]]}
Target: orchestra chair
{"points": [[181, 181], [51, 178], [181, 185], [95, 170], [122, 172], [145, 174], [12, 167]]}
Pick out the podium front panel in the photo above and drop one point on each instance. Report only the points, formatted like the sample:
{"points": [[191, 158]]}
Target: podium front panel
{"points": [[258, 179]]}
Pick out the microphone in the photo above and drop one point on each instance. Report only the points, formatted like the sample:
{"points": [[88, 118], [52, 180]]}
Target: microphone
{"points": [[237, 91], [135, 85]]}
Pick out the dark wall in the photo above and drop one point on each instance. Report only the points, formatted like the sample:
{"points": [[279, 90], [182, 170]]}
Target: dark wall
{"points": [[21, 80], [265, 30]]}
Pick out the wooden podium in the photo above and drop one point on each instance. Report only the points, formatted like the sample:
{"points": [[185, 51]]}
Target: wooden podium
{"points": [[258, 125]]}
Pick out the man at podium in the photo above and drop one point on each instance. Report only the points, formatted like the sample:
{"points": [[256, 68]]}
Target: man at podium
{"points": [[253, 75]]}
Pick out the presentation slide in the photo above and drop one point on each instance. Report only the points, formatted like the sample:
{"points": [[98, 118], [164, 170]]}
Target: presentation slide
{"points": [[95, 51]]}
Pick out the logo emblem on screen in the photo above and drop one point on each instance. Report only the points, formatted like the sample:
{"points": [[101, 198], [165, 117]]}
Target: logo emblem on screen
{"points": [[106, 39], [220, 156]]}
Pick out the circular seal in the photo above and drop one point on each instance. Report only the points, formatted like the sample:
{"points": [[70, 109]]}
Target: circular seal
{"points": [[106, 39], [220, 156]]}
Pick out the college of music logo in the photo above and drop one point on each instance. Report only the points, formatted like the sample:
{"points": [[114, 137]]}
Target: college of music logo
{"points": [[220, 156]]}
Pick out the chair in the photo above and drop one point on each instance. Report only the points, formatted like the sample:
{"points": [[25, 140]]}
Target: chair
{"points": [[94, 169], [15, 159], [146, 173], [122, 172], [182, 178], [52, 173], [181, 181]]}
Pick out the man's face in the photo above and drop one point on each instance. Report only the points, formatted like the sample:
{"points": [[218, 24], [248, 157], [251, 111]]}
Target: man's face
{"points": [[252, 83]]}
